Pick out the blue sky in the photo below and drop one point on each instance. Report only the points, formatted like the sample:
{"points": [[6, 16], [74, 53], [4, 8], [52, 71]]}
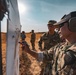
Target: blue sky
{"points": [[37, 13]]}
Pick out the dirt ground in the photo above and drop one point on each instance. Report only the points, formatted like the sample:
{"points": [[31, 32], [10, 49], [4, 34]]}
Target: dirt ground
{"points": [[28, 64]]}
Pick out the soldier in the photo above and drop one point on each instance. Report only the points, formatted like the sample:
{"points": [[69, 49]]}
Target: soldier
{"points": [[50, 39], [23, 36], [33, 37], [63, 56]]}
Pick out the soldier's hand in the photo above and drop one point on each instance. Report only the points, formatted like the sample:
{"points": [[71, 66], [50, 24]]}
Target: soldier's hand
{"points": [[25, 46]]}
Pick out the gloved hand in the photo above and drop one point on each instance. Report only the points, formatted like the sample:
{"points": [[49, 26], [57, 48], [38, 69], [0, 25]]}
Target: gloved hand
{"points": [[24, 43]]}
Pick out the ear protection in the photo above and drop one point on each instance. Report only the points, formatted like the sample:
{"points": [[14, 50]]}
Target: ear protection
{"points": [[72, 24]]}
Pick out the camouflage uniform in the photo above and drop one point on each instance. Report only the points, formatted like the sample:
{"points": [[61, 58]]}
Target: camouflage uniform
{"points": [[62, 65], [49, 41], [33, 37]]}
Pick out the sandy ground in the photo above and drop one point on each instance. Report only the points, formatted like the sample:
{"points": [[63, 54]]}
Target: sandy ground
{"points": [[28, 64]]}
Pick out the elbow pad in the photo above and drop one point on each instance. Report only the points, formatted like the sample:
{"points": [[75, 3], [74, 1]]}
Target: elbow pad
{"points": [[70, 57]]}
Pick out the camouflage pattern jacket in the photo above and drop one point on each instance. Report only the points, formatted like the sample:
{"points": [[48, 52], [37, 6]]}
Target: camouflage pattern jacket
{"points": [[62, 65], [48, 40], [33, 37]]}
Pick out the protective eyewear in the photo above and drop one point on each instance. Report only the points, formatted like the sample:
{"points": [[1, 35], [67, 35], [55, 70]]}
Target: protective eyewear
{"points": [[61, 25]]}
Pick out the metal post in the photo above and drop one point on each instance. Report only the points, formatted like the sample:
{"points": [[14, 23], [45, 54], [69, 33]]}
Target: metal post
{"points": [[1, 73]]}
